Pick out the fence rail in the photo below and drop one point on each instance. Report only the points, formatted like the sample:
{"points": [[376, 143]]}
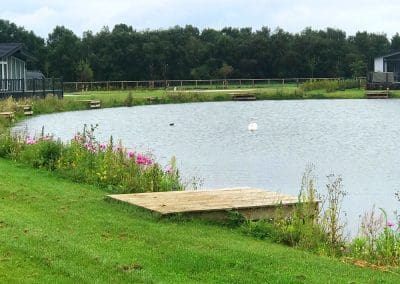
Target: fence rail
{"points": [[185, 84], [25, 88]]}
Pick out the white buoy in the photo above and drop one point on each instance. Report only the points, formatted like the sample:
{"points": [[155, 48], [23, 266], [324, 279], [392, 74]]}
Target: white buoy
{"points": [[253, 126]]}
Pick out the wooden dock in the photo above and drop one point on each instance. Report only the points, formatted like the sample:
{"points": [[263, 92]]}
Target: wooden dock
{"points": [[27, 109], [213, 204], [377, 94], [92, 104], [243, 97], [7, 114]]}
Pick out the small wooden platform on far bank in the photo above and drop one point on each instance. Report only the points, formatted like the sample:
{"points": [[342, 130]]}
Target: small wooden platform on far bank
{"points": [[243, 97], [213, 204], [7, 114], [92, 104], [377, 94]]}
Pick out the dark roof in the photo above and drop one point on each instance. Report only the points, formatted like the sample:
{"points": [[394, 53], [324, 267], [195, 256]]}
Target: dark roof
{"points": [[34, 74], [7, 49], [390, 54]]}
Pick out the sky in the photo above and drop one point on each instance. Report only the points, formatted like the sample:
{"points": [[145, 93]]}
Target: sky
{"points": [[42, 16]]}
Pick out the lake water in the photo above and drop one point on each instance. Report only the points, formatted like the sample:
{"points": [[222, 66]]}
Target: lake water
{"points": [[357, 139]]}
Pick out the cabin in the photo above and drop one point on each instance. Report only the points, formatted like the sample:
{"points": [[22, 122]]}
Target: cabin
{"points": [[18, 82], [12, 66], [389, 63]]}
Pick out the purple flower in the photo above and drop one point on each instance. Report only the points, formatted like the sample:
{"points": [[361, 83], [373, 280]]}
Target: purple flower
{"points": [[390, 224], [143, 160], [30, 141], [131, 154]]}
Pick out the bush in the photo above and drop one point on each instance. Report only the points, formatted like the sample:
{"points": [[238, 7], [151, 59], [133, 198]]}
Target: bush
{"points": [[330, 85], [379, 240]]}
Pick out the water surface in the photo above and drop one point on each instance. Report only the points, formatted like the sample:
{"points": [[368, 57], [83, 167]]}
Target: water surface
{"points": [[357, 139]]}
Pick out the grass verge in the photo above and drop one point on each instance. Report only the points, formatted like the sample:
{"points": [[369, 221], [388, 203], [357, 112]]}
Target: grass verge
{"points": [[53, 230]]}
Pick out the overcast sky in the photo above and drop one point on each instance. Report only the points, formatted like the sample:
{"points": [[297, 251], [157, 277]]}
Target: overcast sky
{"points": [[42, 16]]}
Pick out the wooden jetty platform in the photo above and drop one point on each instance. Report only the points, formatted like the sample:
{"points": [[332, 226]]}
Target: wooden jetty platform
{"points": [[243, 97], [92, 104], [7, 114], [377, 94], [253, 203], [26, 108]]}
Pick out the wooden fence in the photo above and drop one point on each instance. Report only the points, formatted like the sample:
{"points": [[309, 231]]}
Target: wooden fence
{"points": [[186, 84]]}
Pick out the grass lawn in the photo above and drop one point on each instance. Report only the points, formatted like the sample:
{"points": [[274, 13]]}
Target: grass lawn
{"points": [[140, 96], [53, 230]]}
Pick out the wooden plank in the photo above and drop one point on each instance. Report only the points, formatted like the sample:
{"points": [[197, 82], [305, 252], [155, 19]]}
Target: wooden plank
{"points": [[213, 204], [7, 114], [93, 104], [243, 97], [377, 94]]}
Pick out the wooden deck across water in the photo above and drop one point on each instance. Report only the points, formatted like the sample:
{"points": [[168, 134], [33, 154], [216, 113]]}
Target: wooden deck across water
{"points": [[213, 204]]}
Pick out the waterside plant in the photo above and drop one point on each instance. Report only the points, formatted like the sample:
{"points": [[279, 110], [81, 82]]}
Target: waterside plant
{"points": [[84, 159]]}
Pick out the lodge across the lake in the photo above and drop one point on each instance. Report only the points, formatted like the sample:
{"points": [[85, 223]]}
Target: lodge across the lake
{"points": [[18, 82]]}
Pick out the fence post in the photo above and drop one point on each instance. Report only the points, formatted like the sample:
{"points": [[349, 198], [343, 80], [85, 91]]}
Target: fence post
{"points": [[34, 86], [62, 86], [52, 85], [44, 87]]}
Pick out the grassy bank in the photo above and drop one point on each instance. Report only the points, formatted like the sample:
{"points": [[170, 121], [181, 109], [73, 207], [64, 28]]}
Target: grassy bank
{"points": [[73, 101], [53, 230]]}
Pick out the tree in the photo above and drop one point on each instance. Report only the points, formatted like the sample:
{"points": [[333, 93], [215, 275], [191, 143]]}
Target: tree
{"points": [[226, 70], [64, 53], [84, 72]]}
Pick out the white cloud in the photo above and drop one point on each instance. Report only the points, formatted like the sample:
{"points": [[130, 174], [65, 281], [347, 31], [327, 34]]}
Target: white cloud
{"points": [[43, 15]]}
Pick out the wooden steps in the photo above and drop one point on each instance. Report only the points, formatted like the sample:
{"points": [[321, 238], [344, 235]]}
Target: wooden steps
{"points": [[92, 104], [213, 204], [243, 97], [377, 94]]}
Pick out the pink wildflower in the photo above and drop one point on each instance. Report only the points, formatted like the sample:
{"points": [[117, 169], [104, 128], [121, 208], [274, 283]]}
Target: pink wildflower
{"points": [[103, 146], [30, 141], [142, 160], [131, 154], [390, 224], [168, 170]]}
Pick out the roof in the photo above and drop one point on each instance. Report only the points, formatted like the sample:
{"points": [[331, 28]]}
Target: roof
{"points": [[34, 74], [389, 55], [8, 49]]}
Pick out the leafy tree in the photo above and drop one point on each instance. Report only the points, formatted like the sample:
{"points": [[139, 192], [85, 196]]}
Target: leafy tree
{"points": [[84, 72], [226, 70], [64, 49]]}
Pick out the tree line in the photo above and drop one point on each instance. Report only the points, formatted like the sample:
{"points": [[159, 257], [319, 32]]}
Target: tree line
{"points": [[124, 53]]}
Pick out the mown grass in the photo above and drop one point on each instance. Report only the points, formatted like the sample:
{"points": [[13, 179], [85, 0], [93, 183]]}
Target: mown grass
{"points": [[140, 97], [56, 231]]}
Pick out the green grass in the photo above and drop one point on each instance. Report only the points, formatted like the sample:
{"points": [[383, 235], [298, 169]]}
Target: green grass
{"points": [[56, 231], [115, 98]]}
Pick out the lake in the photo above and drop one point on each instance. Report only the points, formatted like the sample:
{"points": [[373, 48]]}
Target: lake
{"points": [[357, 139]]}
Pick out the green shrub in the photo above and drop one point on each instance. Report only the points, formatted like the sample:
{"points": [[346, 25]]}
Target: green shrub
{"points": [[129, 100], [43, 154], [330, 85]]}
